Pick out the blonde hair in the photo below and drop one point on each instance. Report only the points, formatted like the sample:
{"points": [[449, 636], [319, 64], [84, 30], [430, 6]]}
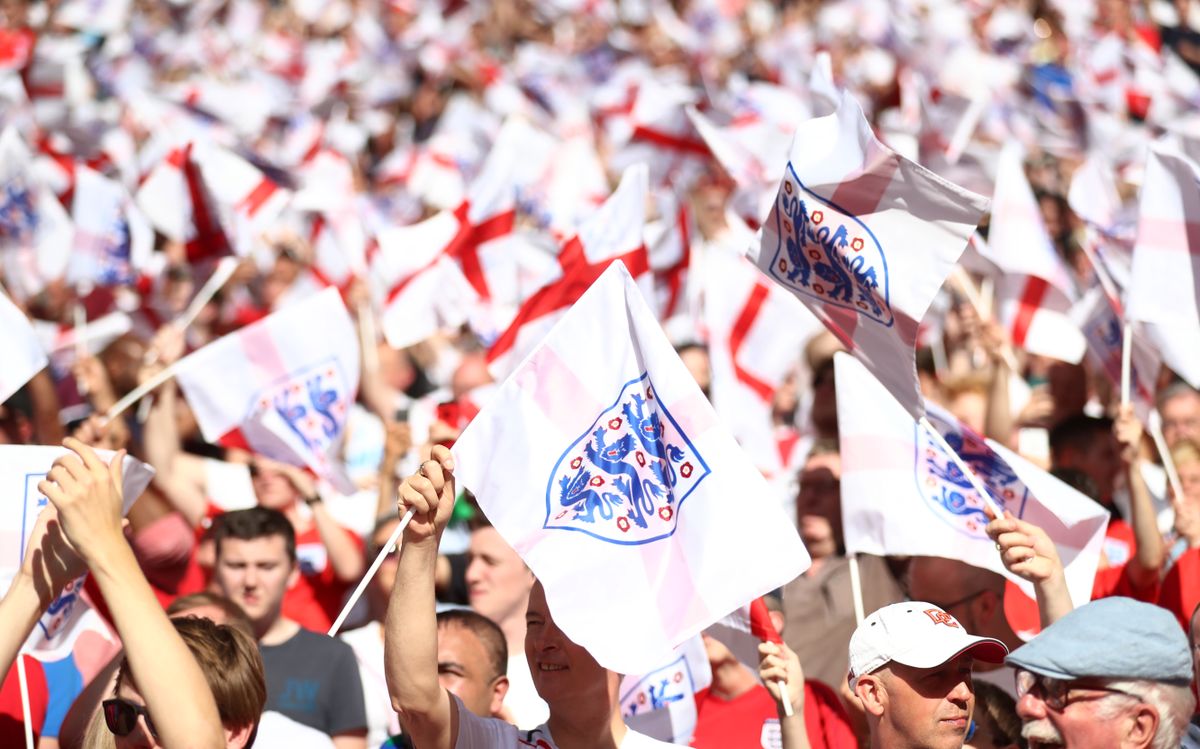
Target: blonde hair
{"points": [[1185, 452], [97, 735]]}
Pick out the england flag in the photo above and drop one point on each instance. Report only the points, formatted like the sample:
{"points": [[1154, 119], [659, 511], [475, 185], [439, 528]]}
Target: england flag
{"points": [[865, 238], [600, 459]]}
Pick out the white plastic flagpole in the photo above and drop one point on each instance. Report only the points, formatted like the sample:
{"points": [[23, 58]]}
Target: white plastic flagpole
{"points": [[856, 590], [220, 275], [962, 466], [26, 713], [1126, 362], [388, 548], [133, 396], [786, 699], [1160, 442]]}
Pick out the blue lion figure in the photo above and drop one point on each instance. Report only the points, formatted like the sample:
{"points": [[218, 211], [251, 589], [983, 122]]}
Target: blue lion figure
{"points": [[578, 492], [322, 403], [659, 455], [611, 458], [291, 413]]}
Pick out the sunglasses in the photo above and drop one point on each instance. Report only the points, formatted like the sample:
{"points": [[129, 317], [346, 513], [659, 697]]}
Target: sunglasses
{"points": [[121, 717]]}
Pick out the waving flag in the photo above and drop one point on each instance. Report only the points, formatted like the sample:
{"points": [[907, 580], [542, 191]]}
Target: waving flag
{"points": [[639, 478], [23, 353], [1100, 320], [902, 495], [112, 238], [34, 226], [1036, 292], [613, 232], [744, 629], [662, 703], [865, 239], [282, 386], [21, 468], [178, 203], [1164, 293]]}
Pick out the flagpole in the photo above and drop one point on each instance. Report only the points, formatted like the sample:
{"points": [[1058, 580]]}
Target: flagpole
{"points": [[26, 713], [387, 549], [1160, 442], [1126, 362], [976, 484], [133, 396], [856, 589], [220, 276]]}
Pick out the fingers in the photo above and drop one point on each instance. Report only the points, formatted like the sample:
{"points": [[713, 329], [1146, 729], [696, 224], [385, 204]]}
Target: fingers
{"points": [[419, 494], [442, 455], [116, 470], [85, 452]]}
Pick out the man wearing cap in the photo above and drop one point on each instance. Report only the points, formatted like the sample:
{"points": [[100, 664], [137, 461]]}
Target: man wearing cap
{"points": [[1113, 673], [910, 665]]}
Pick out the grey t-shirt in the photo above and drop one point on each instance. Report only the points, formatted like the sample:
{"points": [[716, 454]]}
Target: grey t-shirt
{"points": [[314, 680]]}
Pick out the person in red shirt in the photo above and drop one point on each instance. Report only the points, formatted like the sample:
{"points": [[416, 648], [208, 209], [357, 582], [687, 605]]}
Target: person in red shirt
{"points": [[738, 711]]}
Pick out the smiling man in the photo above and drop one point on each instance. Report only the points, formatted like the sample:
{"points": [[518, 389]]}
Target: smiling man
{"points": [[585, 708], [910, 665]]}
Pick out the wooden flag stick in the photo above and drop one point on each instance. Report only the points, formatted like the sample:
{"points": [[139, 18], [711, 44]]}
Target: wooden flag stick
{"points": [[387, 549], [976, 483]]}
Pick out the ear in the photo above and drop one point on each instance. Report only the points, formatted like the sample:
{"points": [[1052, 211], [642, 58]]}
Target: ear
{"points": [[988, 605], [1143, 726], [499, 690], [237, 738], [870, 691], [294, 575]]}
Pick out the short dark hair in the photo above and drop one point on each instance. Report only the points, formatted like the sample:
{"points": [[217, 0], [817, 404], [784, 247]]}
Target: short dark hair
{"points": [[1077, 432], [489, 633], [253, 523]]}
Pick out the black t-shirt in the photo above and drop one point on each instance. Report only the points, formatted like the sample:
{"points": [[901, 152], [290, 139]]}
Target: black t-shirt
{"points": [[314, 680]]}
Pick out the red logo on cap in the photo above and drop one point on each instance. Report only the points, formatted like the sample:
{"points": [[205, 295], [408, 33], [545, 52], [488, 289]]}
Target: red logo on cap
{"points": [[941, 617]]}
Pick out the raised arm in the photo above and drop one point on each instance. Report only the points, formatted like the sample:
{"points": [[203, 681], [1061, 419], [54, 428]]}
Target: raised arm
{"points": [[426, 710], [1144, 569], [87, 495], [1028, 552]]}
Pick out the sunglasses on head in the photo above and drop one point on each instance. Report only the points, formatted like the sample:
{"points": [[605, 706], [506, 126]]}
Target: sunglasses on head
{"points": [[121, 717]]}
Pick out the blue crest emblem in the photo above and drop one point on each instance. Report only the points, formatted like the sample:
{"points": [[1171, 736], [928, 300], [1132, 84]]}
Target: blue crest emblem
{"points": [[948, 492], [312, 402], [659, 689], [625, 479], [115, 252], [827, 254], [18, 219]]}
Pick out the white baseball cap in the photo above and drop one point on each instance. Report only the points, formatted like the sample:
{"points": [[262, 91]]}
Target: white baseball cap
{"points": [[916, 634]]}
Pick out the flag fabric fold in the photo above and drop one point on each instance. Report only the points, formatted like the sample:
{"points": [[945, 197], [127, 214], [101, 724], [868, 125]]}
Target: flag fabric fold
{"points": [[865, 239], [23, 353], [600, 459]]}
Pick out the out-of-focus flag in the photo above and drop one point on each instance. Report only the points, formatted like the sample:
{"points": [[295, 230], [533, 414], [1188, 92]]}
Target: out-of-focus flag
{"points": [[744, 629], [21, 468], [662, 703], [613, 232], [903, 495], [282, 386], [638, 474], [35, 230], [1164, 293], [1035, 292], [113, 240], [1100, 320], [865, 239], [178, 203], [23, 353]]}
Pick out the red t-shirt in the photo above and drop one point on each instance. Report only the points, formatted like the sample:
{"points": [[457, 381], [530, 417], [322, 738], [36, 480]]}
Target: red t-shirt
{"points": [[1181, 589], [751, 720], [1120, 547], [12, 717]]}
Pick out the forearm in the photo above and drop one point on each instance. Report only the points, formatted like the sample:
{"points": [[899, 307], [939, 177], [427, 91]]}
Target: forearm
{"points": [[46, 426], [161, 447], [793, 732], [998, 421], [1053, 598], [20, 610], [410, 641], [1147, 562], [176, 692], [345, 557]]}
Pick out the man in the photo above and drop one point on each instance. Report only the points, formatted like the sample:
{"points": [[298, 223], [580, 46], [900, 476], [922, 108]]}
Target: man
{"points": [[311, 678], [498, 586], [910, 666], [1179, 405], [1112, 673], [585, 708]]}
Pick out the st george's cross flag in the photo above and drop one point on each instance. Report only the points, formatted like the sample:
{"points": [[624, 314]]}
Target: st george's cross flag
{"points": [[599, 459], [23, 353], [1164, 292], [661, 703], [865, 238], [21, 468], [281, 387], [1099, 319], [903, 495]]}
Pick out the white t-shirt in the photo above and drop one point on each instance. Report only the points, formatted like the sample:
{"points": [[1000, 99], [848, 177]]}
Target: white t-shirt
{"points": [[475, 732], [382, 721], [527, 708], [276, 729]]}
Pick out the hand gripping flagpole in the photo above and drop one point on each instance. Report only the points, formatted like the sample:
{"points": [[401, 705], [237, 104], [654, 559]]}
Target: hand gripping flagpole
{"points": [[976, 483], [387, 549]]}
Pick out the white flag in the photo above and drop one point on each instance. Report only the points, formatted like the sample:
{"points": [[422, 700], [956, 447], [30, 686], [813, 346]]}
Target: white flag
{"points": [[662, 703], [865, 238], [23, 354], [902, 494], [1164, 293], [645, 493]]}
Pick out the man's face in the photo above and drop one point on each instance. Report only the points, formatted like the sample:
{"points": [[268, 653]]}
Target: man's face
{"points": [[498, 582], [272, 487], [562, 671], [1181, 418], [465, 670], [1082, 722], [819, 505], [1099, 458], [255, 574], [929, 707]]}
